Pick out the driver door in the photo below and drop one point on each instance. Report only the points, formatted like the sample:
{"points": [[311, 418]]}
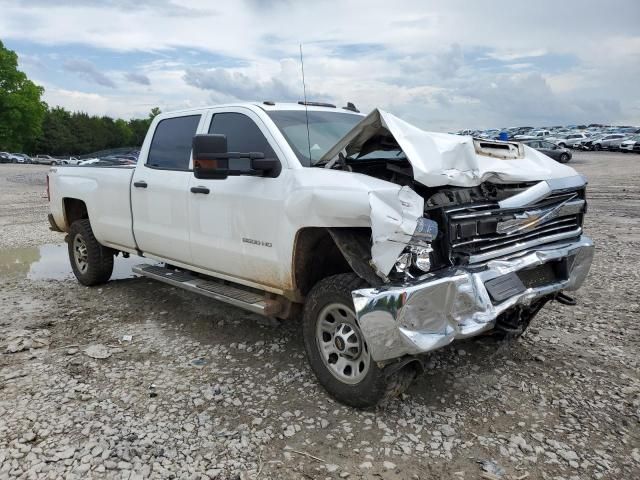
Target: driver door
{"points": [[234, 222]]}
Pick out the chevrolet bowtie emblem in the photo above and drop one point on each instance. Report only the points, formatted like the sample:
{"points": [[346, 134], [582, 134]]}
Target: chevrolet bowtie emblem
{"points": [[529, 220]]}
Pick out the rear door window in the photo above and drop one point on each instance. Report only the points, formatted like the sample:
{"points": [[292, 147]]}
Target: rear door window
{"points": [[171, 145]]}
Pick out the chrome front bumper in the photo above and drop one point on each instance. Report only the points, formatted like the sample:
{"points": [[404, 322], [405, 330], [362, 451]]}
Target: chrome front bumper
{"points": [[418, 318]]}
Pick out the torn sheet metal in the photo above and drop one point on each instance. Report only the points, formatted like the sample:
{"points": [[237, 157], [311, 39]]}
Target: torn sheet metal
{"points": [[413, 319], [394, 216], [443, 159]]}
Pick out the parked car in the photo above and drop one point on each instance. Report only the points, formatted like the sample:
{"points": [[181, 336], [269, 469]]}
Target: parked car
{"points": [[46, 160], [5, 157], [609, 142], [558, 153], [247, 212], [21, 158], [569, 140], [71, 161], [533, 135], [628, 144]]}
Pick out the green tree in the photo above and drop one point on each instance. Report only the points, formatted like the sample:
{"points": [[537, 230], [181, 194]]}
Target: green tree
{"points": [[21, 107]]}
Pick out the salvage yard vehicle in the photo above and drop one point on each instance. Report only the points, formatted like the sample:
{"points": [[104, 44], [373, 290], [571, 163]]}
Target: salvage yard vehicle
{"points": [[555, 151], [45, 159], [391, 242], [609, 142]]}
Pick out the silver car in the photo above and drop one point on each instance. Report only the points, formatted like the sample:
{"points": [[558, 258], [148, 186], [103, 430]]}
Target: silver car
{"points": [[610, 142]]}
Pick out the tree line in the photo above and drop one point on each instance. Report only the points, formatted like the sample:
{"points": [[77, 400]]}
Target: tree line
{"points": [[29, 125]]}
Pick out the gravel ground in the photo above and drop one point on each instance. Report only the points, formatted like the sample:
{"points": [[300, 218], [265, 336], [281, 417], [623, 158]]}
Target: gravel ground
{"points": [[188, 388]]}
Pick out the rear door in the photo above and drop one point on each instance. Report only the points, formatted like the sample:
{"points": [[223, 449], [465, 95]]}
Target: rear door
{"points": [[160, 190], [235, 222]]}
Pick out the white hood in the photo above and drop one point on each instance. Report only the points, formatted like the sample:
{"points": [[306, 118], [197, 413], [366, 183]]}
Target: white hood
{"points": [[443, 159]]}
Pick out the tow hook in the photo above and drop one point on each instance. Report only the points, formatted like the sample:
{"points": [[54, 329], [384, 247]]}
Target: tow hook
{"points": [[394, 367], [565, 299]]}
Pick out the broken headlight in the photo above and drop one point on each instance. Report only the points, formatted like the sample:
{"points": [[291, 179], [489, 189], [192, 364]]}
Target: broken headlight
{"points": [[418, 252]]}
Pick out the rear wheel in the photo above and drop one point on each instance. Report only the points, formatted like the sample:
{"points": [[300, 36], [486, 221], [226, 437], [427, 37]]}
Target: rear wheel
{"points": [[92, 263], [597, 147], [564, 158], [337, 350], [562, 145]]}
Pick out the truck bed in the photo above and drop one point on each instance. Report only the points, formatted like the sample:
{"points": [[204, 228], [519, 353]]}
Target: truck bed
{"points": [[105, 191]]}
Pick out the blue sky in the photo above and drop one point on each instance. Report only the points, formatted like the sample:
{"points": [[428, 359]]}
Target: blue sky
{"points": [[442, 65]]}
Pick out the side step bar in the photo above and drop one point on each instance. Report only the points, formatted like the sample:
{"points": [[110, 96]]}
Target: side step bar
{"points": [[238, 296]]}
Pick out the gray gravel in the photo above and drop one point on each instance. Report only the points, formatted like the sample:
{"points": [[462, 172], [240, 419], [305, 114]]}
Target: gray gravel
{"points": [[139, 380]]}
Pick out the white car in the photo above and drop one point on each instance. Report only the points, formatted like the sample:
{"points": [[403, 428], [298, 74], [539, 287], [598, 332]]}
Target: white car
{"points": [[535, 135], [391, 241], [627, 145], [71, 161], [571, 140]]}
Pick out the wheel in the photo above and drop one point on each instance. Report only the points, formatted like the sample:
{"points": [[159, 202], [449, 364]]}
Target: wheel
{"points": [[53, 163], [597, 147], [337, 351], [91, 262], [562, 145], [564, 158]]}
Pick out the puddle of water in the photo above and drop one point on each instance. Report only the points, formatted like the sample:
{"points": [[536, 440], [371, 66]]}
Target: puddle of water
{"points": [[51, 262]]}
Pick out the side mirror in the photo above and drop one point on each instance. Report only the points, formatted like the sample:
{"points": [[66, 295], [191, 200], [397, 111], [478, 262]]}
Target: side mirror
{"points": [[211, 160]]}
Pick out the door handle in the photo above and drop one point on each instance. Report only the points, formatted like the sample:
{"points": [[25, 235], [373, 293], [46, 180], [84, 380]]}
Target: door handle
{"points": [[140, 184], [204, 190]]}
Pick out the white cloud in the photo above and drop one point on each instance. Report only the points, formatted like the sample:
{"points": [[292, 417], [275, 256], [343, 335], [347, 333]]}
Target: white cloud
{"points": [[444, 65]]}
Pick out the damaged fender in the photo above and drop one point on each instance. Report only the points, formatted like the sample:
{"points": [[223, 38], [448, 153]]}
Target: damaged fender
{"points": [[394, 216]]}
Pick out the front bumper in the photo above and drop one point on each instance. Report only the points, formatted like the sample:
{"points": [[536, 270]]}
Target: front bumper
{"points": [[454, 304]]}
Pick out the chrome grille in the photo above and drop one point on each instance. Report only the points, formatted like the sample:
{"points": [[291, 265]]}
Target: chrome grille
{"points": [[476, 233]]}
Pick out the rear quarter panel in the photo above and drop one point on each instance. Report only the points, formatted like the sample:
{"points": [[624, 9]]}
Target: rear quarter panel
{"points": [[106, 193]]}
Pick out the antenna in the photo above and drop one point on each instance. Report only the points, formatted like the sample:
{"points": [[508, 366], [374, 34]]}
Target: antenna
{"points": [[306, 108]]}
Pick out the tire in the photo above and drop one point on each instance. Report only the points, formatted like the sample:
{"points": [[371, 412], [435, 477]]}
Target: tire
{"points": [[597, 147], [53, 163], [91, 262], [362, 383], [564, 158], [562, 145]]}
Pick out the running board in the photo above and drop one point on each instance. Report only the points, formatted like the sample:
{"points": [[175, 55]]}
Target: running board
{"points": [[238, 296]]}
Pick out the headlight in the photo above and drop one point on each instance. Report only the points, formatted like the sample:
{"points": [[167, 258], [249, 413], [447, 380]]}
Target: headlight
{"points": [[422, 258]]}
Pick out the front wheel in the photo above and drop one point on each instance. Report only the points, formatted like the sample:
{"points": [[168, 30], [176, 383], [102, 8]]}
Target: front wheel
{"points": [[337, 350], [597, 147], [91, 262], [562, 145], [564, 158]]}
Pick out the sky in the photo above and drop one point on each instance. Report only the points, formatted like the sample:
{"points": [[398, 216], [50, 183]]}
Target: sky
{"points": [[442, 65]]}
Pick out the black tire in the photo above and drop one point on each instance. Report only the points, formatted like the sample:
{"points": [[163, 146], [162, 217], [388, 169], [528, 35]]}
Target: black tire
{"points": [[597, 147], [564, 158], [97, 267], [376, 387], [562, 145]]}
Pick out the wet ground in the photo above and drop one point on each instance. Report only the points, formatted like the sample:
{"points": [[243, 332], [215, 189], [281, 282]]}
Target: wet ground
{"points": [[136, 379]]}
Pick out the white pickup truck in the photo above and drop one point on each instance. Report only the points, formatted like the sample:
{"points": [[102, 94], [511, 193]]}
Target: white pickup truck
{"points": [[390, 241]]}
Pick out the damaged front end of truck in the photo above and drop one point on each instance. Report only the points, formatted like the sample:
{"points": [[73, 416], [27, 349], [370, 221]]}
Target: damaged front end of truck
{"points": [[478, 235]]}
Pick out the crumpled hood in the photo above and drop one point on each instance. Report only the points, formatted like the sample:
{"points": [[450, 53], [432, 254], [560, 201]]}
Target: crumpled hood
{"points": [[444, 159]]}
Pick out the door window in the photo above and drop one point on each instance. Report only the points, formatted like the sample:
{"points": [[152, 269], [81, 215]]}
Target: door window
{"points": [[171, 145], [243, 135]]}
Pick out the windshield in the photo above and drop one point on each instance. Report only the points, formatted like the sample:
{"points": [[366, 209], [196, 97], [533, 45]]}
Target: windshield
{"points": [[325, 130]]}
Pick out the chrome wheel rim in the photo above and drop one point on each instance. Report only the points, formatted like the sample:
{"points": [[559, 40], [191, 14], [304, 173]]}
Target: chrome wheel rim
{"points": [[341, 345], [80, 254]]}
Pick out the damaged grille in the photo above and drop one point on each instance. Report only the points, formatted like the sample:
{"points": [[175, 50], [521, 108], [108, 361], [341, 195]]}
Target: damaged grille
{"points": [[480, 232]]}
